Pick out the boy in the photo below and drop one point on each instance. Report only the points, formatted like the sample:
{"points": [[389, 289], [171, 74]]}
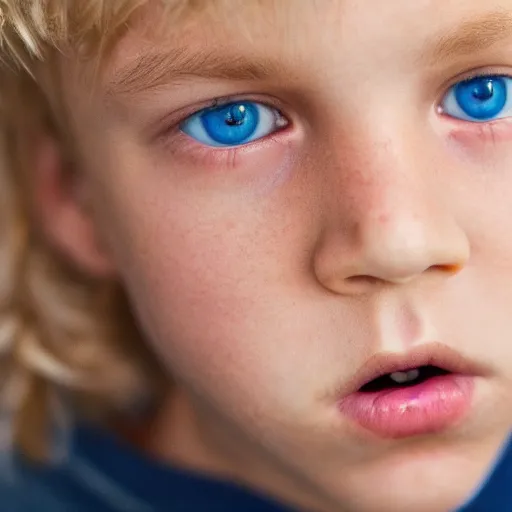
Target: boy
{"points": [[274, 235]]}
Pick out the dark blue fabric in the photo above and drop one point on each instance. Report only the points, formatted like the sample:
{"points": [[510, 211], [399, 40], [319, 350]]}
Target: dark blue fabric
{"points": [[496, 491], [103, 475], [166, 489]]}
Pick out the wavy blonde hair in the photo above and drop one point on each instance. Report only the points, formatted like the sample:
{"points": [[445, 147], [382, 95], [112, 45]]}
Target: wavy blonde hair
{"points": [[62, 334]]}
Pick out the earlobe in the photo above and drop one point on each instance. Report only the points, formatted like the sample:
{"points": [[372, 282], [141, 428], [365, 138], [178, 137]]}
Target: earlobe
{"points": [[61, 214]]}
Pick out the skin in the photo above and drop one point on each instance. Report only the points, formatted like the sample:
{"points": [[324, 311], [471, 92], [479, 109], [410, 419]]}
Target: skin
{"points": [[265, 277]]}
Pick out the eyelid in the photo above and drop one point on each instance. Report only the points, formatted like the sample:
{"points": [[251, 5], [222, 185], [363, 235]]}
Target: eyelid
{"points": [[500, 70]]}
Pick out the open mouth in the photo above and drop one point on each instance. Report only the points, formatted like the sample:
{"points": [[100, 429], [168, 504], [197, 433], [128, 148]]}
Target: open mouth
{"points": [[423, 392], [403, 379]]}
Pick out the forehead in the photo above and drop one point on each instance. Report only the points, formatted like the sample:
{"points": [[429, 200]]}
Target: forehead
{"points": [[250, 18], [287, 28]]}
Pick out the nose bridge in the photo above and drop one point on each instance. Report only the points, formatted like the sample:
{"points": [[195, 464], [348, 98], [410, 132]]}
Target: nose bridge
{"points": [[393, 222], [386, 180]]}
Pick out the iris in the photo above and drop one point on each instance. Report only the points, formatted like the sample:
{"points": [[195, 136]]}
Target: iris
{"points": [[232, 124], [479, 99]]}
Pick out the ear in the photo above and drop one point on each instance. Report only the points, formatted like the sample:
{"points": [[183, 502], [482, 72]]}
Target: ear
{"points": [[61, 212]]}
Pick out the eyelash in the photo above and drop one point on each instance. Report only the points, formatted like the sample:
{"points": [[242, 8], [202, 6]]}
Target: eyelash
{"points": [[220, 102], [470, 75]]}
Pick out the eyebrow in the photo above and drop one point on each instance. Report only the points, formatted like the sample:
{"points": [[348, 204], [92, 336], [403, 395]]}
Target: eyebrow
{"points": [[156, 68], [471, 36]]}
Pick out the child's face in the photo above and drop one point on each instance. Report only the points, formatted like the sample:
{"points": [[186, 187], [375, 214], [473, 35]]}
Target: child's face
{"points": [[360, 206]]}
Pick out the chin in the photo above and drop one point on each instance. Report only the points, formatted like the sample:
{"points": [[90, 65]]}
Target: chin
{"points": [[422, 480]]}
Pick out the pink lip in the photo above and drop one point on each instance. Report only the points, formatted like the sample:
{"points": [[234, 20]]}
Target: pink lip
{"points": [[425, 408], [432, 406]]}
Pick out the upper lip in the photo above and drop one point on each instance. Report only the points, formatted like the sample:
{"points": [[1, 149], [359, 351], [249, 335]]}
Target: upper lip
{"points": [[432, 354]]}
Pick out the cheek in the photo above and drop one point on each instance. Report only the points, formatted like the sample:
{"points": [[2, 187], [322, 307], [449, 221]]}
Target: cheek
{"points": [[211, 302], [485, 149], [205, 272], [480, 170]]}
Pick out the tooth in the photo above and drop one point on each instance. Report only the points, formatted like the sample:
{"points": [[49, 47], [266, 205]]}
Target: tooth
{"points": [[413, 374], [400, 377]]}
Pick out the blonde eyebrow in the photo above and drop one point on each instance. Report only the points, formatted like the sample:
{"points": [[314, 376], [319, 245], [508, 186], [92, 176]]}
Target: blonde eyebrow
{"points": [[153, 69], [471, 36]]}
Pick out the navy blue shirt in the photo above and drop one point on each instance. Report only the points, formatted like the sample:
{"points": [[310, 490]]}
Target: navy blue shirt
{"points": [[103, 475]]}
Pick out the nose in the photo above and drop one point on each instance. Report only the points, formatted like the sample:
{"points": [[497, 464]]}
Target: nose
{"points": [[392, 226]]}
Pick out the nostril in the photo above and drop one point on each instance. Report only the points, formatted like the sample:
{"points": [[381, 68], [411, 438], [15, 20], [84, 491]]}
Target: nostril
{"points": [[363, 280], [450, 268], [361, 284], [371, 281]]}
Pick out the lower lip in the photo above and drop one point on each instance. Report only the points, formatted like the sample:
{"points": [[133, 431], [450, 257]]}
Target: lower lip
{"points": [[429, 407]]}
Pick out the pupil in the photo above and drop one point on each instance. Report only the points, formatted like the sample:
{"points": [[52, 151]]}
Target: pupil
{"points": [[484, 91], [236, 115]]}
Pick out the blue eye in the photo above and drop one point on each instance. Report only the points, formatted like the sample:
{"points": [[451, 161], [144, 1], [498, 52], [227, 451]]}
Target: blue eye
{"points": [[233, 124], [481, 99]]}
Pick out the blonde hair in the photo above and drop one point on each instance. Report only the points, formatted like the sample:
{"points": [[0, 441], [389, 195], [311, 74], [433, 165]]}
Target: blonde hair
{"points": [[62, 334]]}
